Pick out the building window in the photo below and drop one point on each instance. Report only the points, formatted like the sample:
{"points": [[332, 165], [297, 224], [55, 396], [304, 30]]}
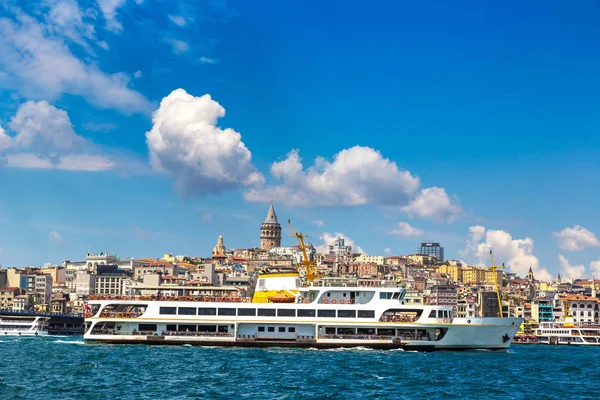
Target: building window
{"points": [[261, 328]]}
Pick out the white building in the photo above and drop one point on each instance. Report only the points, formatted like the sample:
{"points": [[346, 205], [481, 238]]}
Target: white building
{"points": [[85, 283]]}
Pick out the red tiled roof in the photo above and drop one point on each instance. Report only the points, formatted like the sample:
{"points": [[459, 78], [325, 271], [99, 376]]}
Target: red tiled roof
{"points": [[9, 289]]}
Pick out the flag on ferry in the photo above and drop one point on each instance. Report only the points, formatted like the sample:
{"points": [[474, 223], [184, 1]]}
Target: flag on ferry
{"points": [[86, 306]]}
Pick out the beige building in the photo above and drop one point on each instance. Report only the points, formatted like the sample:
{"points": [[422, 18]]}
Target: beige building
{"points": [[473, 275], [7, 296], [367, 259], [455, 272]]}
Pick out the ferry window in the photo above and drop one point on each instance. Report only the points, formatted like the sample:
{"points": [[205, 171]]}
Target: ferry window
{"points": [[168, 310], [385, 295], [226, 311], [366, 314], [271, 329], [291, 329], [395, 295], [346, 313], [247, 312], [330, 331], [261, 328], [266, 312], [327, 313], [432, 314], [344, 294], [282, 329], [445, 314], [306, 313], [283, 312], [187, 310], [207, 311], [147, 327], [171, 328]]}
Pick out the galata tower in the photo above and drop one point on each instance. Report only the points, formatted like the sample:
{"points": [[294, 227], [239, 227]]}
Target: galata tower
{"points": [[270, 231]]}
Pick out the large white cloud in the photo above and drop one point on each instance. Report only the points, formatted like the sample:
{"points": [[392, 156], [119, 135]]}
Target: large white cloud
{"points": [[570, 271], [44, 138], [186, 143], [36, 60], [434, 203], [517, 254], [405, 229], [576, 238], [109, 11], [356, 176], [329, 239]]}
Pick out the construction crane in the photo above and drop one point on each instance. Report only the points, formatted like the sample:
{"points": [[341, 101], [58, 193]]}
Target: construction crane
{"points": [[493, 268], [311, 268]]}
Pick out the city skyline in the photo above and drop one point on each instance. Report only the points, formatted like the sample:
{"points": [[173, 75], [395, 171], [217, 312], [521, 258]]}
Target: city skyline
{"points": [[152, 127]]}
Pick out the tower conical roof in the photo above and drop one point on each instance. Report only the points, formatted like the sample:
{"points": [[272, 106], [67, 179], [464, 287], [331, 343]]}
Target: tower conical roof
{"points": [[271, 216]]}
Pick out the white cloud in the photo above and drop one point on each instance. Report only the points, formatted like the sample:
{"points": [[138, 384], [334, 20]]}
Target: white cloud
{"points": [[404, 229], [138, 74], [517, 254], [207, 217], [329, 239], [179, 46], [178, 20], [65, 18], [55, 237], [109, 10], [319, 222], [434, 203], [103, 44], [44, 138], [207, 60], [387, 250], [476, 233], [595, 268], [186, 143], [37, 62], [356, 176], [570, 271], [576, 238]]}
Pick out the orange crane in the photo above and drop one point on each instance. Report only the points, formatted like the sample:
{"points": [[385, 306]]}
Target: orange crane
{"points": [[311, 268]]}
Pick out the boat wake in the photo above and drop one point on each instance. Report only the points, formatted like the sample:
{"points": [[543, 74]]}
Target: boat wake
{"points": [[80, 342]]}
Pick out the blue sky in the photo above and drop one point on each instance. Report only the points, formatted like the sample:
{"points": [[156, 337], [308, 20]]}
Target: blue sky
{"points": [[473, 124]]}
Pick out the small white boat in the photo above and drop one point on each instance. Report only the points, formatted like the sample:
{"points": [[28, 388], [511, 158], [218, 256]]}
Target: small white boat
{"points": [[23, 326]]}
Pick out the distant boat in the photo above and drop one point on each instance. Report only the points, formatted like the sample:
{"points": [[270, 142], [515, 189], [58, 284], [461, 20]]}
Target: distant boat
{"points": [[23, 326]]}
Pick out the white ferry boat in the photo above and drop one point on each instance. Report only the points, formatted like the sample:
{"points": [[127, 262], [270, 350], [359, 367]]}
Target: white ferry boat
{"points": [[283, 313], [568, 333], [23, 326]]}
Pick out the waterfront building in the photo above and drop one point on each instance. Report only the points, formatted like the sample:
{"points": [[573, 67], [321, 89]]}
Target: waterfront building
{"points": [[488, 304], [413, 296], [85, 283], [444, 295], [541, 310], [57, 273], [270, 230], [432, 249], [583, 309], [21, 303], [466, 307], [490, 277], [16, 278], [150, 266], [39, 286], [8, 295], [111, 282], [3, 277]]}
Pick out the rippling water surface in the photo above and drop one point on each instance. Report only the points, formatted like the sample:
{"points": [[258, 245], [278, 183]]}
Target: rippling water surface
{"points": [[66, 368]]}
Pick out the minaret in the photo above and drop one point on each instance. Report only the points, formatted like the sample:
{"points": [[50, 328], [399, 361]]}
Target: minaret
{"points": [[593, 288], [558, 280], [270, 231], [219, 249], [530, 277]]}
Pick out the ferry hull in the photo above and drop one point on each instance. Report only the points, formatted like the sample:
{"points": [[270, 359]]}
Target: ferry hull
{"points": [[13, 333]]}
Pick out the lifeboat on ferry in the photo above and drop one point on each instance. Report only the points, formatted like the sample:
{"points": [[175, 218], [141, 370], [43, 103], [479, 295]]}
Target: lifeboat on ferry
{"points": [[281, 298]]}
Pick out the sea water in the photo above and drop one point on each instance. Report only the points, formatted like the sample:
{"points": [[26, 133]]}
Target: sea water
{"points": [[67, 368]]}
